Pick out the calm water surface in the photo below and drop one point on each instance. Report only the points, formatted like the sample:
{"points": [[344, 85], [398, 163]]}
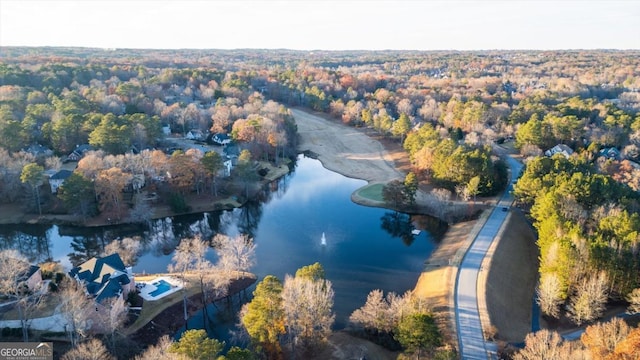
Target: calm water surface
{"points": [[366, 248]]}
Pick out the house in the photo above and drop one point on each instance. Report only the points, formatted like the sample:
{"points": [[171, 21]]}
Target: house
{"points": [[559, 149], [38, 150], [32, 277], [231, 151], [611, 153], [79, 152], [221, 139], [56, 180], [166, 129], [105, 277], [195, 134]]}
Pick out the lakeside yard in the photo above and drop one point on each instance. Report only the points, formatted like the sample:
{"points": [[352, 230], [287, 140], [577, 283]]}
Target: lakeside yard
{"points": [[150, 309], [168, 312]]}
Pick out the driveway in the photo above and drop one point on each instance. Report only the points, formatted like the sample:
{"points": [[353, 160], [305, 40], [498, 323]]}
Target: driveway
{"points": [[55, 323], [469, 327]]}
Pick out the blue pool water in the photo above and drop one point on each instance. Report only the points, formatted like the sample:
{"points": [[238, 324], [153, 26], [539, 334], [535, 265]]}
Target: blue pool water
{"points": [[162, 286]]}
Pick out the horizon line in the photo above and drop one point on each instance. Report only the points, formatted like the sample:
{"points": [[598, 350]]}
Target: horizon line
{"points": [[312, 50]]}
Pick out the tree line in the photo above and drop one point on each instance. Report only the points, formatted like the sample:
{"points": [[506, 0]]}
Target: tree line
{"points": [[588, 233], [611, 340]]}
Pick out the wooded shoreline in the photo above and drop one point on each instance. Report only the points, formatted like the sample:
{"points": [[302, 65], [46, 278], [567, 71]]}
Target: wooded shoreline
{"points": [[14, 214]]}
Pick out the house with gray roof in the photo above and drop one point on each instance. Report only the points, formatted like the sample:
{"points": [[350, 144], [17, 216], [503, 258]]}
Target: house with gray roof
{"points": [[56, 180], [105, 277], [559, 149], [79, 152]]}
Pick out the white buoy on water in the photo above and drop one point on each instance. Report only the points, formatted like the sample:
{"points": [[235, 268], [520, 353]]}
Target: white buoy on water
{"points": [[323, 240]]}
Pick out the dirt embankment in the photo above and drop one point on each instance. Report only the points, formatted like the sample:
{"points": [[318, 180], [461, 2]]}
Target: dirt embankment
{"points": [[345, 150], [436, 283], [509, 280]]}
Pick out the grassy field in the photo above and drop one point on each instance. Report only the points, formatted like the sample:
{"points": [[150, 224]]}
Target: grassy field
{"points": [[371, 192], [510, 280]]}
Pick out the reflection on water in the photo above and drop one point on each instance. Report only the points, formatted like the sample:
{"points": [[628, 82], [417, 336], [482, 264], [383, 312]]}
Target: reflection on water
{"points": [[366, 248]]}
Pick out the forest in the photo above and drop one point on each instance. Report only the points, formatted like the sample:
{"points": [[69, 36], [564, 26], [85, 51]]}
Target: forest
{"points": [[448, 110], [445, 107]]}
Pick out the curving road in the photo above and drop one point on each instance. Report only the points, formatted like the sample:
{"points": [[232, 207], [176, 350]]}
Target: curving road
{"points": [[469, 328]]}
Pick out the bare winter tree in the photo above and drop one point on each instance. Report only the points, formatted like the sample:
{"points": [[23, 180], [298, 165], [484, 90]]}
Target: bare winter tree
{"points": [[53, 163], [93, 349], [76, 308], [141, 211], [382, 313], [15, 268], [190, 256], [590, 299], [128, 249], [109, 185], [403, 305], [430, 109], [374, 314], [549, 293], [113, 317], [634, 301], [308, 308], [159, 351], [438, 199], [601, 339], [546, 344], [529, 150], [235, 253]]}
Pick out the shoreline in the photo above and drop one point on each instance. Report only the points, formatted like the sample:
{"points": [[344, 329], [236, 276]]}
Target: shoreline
{"points": [[170, 318], [345, 150], [13, 214]]}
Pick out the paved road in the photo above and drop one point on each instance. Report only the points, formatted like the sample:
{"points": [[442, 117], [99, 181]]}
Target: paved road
{"points": [[469, 328]]}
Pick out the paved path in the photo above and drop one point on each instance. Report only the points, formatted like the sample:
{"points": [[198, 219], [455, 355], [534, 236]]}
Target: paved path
{"points": [[49, 323], [469, 327]]}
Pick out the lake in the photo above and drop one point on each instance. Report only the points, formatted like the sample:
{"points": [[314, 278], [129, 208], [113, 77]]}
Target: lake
{"points": [[366, 248]]}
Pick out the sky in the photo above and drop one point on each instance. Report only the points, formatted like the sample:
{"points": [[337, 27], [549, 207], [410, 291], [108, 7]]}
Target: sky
{"points": [[323, 25]]}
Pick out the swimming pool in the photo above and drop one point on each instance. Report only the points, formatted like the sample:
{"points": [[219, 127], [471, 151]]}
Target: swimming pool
{"points": [[161, 287], [158, 288]]}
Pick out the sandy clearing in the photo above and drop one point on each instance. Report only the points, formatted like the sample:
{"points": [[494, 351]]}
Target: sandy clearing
{"points": [[345, 150]]}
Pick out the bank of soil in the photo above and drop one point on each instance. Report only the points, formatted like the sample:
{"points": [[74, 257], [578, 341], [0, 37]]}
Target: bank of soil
{"points": [[346, 150], [509, 278]]}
